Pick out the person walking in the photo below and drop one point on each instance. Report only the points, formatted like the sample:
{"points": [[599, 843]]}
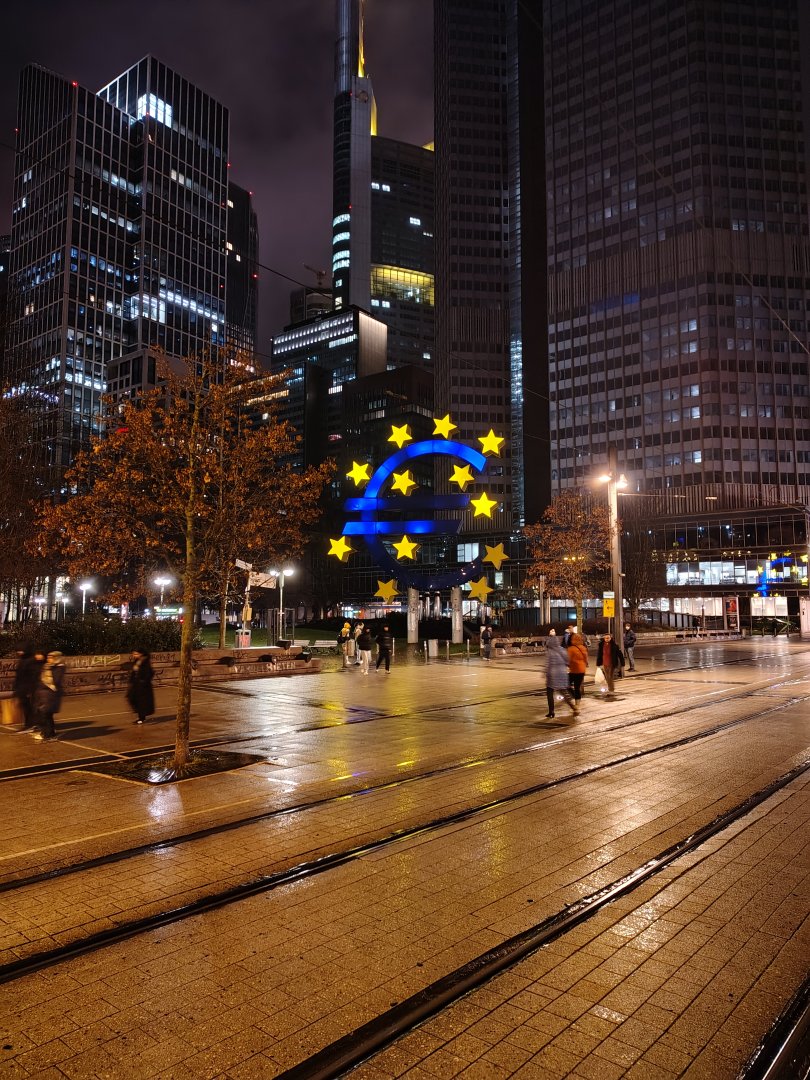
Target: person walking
{"points": [[26, 678], [343, 639], [486, 642], [385, 643], [358, 630], [557, 676], [630, 640], [569, 633], [609, 659], [365, 643], [577, 665], [48, 696], [140, 695]]}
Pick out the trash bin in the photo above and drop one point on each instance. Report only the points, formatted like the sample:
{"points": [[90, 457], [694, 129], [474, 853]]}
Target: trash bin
{"points": [[242, 639]]}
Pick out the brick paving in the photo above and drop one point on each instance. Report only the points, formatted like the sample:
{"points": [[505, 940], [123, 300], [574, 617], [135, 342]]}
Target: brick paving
{"points": [[254, 987]]}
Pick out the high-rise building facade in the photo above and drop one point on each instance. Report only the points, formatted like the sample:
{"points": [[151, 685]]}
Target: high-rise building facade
{"points": [[119, 231], [679, 276], [491, 346], [382, 224], [241, 275]]}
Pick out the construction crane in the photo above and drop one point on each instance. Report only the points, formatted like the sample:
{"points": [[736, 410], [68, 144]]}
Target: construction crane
{"points": [[320, 275]]}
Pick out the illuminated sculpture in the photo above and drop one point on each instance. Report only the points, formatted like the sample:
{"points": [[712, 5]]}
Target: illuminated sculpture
{"points": [[390, 517]]}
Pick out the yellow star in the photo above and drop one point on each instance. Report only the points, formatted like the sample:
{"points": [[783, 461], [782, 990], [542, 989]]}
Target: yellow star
{"points": [[491, 443], [479, 590], [340, 549], [495, 555], [483, 506], [400, 435], [406, 549], [387, 590], [403, 481], [444, 426], [358, 473], [461, 476]]}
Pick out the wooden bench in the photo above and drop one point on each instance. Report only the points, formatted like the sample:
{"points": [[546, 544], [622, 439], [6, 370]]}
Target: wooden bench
{"points": [[323, 644]]}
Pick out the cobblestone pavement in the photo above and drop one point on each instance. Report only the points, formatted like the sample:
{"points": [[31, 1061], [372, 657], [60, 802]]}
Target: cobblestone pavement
{"points": [[680, 976]]}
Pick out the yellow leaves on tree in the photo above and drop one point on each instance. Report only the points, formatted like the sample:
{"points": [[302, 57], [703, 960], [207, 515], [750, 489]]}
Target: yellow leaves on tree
{"points": [[188, 475], [570, 547]]}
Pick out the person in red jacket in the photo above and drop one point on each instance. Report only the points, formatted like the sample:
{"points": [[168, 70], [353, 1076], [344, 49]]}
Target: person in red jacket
{"points": [[577, 664]]}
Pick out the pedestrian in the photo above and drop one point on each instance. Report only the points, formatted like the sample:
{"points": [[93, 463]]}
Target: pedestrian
{"points": [[385, 643], [140, 695], [609, 660], [486, 642], [557, 676], [577, 665], [48, 696], [358, 630], [630, 645], [343, 642], [569, 633], [26, 678], [364, 645]]}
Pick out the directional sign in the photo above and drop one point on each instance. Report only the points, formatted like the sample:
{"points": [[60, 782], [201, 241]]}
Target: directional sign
{"points": [[244, 565]]}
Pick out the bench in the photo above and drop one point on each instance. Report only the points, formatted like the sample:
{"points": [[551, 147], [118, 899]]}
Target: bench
{"points": [[323, 644]]}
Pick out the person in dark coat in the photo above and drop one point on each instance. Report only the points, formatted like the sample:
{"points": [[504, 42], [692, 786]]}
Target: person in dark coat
{"points": [[364, 646], [48, 696], [610, 659], [140, 694], [385, 643], [26, 678], [486, 642], [557, 676], [630, 640]]}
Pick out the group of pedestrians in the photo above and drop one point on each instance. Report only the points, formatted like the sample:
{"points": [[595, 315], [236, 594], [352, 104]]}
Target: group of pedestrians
{"points": [[567, 663], [356, 645], [39, 686]]}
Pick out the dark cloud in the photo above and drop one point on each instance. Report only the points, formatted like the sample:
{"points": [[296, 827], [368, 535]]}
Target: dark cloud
{"points": [[271, 63]]}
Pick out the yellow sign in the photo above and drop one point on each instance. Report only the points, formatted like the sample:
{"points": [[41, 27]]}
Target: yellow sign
{"points": [[608, 608]]}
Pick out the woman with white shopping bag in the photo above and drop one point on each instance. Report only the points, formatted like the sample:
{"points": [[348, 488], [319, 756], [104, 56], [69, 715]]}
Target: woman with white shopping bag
{"points": [[608, 660]]}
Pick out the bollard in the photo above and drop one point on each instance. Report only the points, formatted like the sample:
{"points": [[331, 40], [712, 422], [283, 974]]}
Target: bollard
{"points": [[468, 648], [426, 652], [447, 643]]}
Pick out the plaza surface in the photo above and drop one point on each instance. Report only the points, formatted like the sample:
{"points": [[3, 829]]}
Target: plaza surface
{"points": [[394, 830]]}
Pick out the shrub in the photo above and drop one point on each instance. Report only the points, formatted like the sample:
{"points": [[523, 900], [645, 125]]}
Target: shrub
{"points": [[95, 635]]}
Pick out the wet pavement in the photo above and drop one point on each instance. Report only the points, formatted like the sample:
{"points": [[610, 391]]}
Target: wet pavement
{"points": [[393, 830]]}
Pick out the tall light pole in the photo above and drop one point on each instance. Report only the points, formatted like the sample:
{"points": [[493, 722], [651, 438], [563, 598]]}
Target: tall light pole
{"points": [[615, 480], [85, 586], [280, 575]]}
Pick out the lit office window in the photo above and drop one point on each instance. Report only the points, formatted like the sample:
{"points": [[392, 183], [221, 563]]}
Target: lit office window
{"points": [[149, 105]]}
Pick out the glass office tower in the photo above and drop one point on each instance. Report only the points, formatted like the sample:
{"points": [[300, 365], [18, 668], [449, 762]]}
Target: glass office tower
{"points": [[118, 237]]}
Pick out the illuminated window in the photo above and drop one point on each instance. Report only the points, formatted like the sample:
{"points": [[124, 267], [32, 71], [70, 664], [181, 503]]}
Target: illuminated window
{"points": [[149, 105], [415, 221], [397, 283]]}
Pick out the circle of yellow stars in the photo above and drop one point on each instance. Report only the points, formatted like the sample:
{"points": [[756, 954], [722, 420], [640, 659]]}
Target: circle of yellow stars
{"points": [[404, 483]]}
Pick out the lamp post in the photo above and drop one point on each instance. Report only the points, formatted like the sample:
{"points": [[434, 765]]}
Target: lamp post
{"points": [[280, 575], [162, 582], [40, 604], [85, 586], [615, 481]]}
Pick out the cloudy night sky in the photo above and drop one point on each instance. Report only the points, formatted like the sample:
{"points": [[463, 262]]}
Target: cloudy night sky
{"points": [[271, 63]]}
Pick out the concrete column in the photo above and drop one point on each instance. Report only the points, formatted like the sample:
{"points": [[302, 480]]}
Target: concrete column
{"points": [[455, 615], [413, 615], [437, 606]]}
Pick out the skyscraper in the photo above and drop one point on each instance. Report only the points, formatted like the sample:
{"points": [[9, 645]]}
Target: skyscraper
{"points": [[241, 274], [120, 223], [382, 224], [679, 275], [491, 347]]}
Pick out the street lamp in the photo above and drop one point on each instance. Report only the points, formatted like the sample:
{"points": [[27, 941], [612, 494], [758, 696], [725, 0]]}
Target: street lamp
{"points": [[162, 582], [615, 480], [280, 575], [64, 600], [85, 586], [40, 603]]}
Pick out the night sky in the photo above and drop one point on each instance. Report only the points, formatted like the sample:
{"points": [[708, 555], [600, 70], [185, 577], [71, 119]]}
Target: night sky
{"points": [[271, 63]]}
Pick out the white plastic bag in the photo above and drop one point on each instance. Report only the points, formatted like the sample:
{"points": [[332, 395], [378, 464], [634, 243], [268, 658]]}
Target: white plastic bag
{"points": [[599, 677]]}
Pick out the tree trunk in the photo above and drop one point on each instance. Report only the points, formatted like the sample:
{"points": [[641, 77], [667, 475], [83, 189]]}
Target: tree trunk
{"points": [[181, 747], [580, 626]]}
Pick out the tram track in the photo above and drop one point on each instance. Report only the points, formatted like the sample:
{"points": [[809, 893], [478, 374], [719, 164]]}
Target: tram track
{"points": [[369, 1039], [267, 882], [168, 843], [25, 772]]}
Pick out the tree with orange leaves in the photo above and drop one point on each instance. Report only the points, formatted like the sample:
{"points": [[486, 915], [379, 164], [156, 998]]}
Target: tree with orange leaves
{"points": [[186, 477], [570, 547]]}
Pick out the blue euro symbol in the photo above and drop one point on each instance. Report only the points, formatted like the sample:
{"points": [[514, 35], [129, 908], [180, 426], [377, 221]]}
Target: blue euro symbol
{"points": [[370, 503]]}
